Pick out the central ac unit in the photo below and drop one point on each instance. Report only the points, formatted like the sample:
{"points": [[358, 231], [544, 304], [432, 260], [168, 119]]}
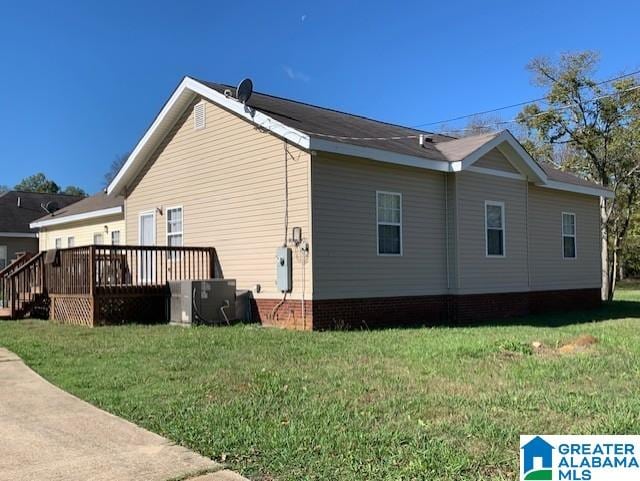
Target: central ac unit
{"points": [[211, 301]]}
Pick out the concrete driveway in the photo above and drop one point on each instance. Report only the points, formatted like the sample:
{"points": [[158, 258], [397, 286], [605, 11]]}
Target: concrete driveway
{"points": [[47, 434]]}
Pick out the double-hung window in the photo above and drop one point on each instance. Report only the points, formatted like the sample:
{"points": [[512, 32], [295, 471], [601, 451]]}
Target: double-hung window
{"points": [[115, 237], [71, 241], [494, 227], [389, 223], [174, 227], [568, 235], [98, 239], [58, 243]]}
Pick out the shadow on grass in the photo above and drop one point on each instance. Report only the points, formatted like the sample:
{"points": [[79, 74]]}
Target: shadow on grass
{"points": [[608, 311]]}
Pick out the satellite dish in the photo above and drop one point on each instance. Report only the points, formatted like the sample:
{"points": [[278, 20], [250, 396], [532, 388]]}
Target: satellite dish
{"points": [[51, 207], [244, 90]]}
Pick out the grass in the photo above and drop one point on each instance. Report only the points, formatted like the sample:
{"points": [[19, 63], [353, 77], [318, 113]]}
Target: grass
{"points": [[410, 404]]}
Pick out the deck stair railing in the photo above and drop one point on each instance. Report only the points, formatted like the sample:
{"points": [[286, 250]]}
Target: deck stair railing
{"points": [[23, 285]]}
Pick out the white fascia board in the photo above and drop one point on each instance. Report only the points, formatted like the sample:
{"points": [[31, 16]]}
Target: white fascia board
{"points": [[506, 136], [495, 172], [578, 189], [382, 155], [76, 217], [187, 89], [19, 234]]}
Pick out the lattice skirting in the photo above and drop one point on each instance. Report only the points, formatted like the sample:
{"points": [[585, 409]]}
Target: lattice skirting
{"points": [[147, 307], [77, 310]]}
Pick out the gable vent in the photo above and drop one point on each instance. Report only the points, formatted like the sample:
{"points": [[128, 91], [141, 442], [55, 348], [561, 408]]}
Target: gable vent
{"points": [[199, 119]]}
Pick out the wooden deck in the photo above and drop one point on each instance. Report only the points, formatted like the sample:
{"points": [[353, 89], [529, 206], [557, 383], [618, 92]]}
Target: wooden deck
{"points": [[97, 285]]}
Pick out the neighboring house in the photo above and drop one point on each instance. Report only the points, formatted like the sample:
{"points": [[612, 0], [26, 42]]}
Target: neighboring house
{"points": [[17, 210], [402, 226], [98, 219]]}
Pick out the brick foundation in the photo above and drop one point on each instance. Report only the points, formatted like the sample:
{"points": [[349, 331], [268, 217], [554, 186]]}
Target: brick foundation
{"points": [[420, 310]]}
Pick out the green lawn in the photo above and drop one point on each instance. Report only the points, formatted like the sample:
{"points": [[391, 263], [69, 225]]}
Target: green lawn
{"points": [[410, 404]]}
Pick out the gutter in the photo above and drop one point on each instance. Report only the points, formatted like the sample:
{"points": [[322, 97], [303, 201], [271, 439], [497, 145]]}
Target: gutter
{"points": [[77, 217]]}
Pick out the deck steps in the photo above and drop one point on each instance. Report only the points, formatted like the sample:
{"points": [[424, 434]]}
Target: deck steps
{"points": [[5, 313]]}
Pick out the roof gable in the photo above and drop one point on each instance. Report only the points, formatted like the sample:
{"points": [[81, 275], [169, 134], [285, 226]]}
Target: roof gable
{"points": [[315, 128]]}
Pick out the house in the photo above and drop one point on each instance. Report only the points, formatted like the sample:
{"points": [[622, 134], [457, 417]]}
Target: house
{"points": [[540, 450], [387, 224], [17, 210], [97, 220]]}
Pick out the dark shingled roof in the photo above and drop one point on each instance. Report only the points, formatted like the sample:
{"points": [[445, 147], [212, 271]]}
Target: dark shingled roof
{"points": [[99, 201], [17, 219], [320, 122]]}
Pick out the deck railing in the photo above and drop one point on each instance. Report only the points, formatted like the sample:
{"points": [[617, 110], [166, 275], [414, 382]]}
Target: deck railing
{"points": [[98, 269], [5, 283], [22, 285]]}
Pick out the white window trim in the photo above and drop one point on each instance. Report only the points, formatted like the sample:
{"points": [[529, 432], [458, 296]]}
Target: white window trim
{"points": [[140, 215], [71, 238], [378, 192], [4, 255], [55, 243], [181, 233], [94, 238], [119, 236], [575, 235], [486, 229]]}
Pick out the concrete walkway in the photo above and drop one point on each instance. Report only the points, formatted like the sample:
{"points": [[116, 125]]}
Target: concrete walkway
{"points": [[47, 434]]}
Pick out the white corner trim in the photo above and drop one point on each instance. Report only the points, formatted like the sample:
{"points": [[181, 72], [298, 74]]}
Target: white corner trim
{"points": [[578, 189], [76, 217], [495, 172], [29, 235]]}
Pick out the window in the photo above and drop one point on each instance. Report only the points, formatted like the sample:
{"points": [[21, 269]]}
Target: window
{"points": [[199, 119], [115, 237], [58, 242], [389, 223], [568, 235], [494, 226], [3, 257], [174, 226], [98, 239], [71, 241]]}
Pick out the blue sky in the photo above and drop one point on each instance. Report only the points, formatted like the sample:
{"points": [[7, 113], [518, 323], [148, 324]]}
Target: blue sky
{"points": [[81, 81]]}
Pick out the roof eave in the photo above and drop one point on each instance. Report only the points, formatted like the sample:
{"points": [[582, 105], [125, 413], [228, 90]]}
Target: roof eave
{"points": [[95, 214]]}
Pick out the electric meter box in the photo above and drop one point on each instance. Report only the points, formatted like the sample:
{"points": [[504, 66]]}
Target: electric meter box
{"points": [[283, 269]]}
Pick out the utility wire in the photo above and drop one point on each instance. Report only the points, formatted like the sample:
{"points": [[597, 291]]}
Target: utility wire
{"points": [[502, 122], [520, 104]]}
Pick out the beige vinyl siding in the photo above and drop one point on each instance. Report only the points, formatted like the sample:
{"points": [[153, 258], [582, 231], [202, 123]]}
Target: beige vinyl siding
{"points": [[83, 232], [548, 268], [477, 272], [495, 160], [229, 178], [346, 260]]}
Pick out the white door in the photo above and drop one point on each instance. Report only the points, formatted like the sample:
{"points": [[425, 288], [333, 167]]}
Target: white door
{"points": [[147, 237]]}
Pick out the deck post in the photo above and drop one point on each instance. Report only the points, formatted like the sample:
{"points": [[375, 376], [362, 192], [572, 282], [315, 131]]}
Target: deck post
{"points": [[212, 263]]}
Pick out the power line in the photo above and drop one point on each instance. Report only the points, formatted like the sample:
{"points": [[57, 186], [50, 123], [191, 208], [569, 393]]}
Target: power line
{"points": [[520, 104], [502, 122]]}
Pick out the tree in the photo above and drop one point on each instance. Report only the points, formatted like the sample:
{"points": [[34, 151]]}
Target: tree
{"points": [[74, 190], [38, 183], [592, 129], [115, 167]]}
